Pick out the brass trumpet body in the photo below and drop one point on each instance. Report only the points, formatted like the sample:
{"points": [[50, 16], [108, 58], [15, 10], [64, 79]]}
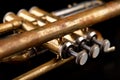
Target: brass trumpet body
{"points": [[36, 31]]}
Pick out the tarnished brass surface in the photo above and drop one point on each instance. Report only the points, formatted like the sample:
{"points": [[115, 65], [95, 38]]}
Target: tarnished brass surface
{"points": [[38, 28], [27, 18], [60, 28], [10, 16], [40, 70], [44, 15], [28, 24], [23, 56], [5, 27]]}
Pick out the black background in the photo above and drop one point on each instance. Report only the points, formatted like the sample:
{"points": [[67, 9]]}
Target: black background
{"points": [[106, 66]]}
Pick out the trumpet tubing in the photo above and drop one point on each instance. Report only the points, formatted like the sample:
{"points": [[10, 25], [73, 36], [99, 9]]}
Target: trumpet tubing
{"points": [[68, 33], [58, 29]]}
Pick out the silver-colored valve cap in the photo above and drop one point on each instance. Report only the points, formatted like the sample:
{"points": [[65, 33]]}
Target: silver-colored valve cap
{"points": [[95, 51], [82, 57]]}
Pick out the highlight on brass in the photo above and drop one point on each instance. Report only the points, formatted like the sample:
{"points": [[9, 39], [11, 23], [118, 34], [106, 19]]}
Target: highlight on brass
{"points": [[66, 33]]}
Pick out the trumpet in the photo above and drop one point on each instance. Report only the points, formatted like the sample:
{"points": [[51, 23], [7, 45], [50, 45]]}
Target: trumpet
{"points": [[67, 33]]}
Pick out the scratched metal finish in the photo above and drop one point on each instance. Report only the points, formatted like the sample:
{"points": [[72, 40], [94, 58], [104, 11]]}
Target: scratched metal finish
{"points": [[60, 28]]}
